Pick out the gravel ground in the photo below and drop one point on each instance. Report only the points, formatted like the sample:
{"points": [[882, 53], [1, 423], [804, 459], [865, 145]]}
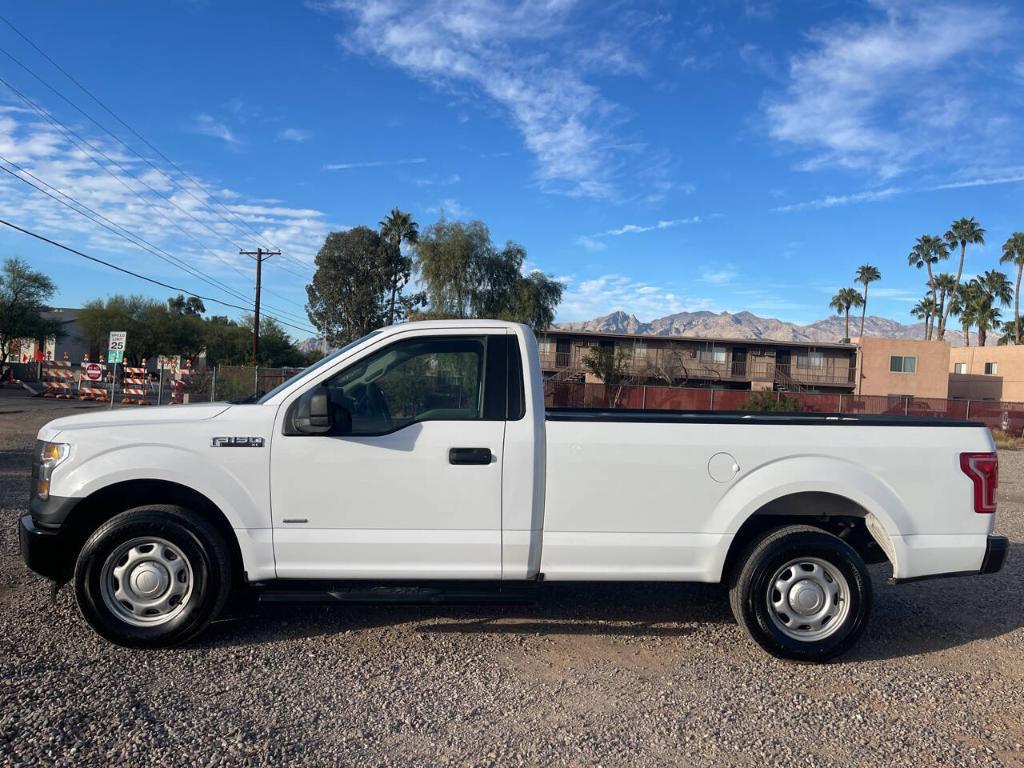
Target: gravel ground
{"points": [[623, 675]]}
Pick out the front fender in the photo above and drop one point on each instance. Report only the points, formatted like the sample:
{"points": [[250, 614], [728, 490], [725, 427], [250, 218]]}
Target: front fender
{"points": [[243, 503]]}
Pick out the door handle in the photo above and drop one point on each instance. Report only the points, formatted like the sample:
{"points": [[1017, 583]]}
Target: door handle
{"points": [[469, 456]]}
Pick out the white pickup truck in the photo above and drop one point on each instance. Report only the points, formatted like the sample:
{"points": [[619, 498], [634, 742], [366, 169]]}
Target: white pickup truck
{"points": [[418, 463]]}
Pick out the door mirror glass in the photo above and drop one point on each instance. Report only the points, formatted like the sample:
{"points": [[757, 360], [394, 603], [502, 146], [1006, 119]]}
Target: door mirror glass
{"points": [[313, 413]]}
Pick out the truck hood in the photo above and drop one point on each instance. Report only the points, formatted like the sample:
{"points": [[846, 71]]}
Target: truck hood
{"points": [[107, 419]]}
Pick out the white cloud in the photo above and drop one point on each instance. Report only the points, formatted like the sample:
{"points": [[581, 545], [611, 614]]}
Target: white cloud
{"points": [[451, 208], [718, 276], [209, 126], [1012, 178], [633, 229], [436, 181], [294, 134], [590, 298], [507, 53], [180, 217], [858, 98], [373, 164], [591, 243], [833, 201]]}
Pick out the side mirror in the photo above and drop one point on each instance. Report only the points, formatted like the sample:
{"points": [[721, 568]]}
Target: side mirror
{"points": [[313, 414]]}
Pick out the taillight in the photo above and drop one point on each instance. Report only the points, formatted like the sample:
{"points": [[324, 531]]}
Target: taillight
{"points": [[983, 469]]}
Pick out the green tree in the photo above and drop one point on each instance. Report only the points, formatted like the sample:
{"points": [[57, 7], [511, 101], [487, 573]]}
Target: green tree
{"points": [[945, 283], [276, 347], [844, 301], [24, 294], [989, 288], [146, 321], [962, 304], [866, 274], [772, 402], [227, 342], [962, 232], [611, 364], [465, 275], [537, 297], [348, 296], [1013, 253], [929, 250], [192, 306], [447, 259], [395, 229], [924, 311]]}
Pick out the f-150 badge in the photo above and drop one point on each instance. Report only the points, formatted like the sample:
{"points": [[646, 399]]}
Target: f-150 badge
{"points": [[236, 442]]}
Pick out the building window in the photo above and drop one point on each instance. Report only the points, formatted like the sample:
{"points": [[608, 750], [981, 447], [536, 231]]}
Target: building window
{"points": [[991, 369], [811, 360], [711, 354], [903, 364], [959, 367]]}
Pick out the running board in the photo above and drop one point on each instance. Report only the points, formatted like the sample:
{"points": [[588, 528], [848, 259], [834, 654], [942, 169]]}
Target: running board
{"points": [[274, 594]]}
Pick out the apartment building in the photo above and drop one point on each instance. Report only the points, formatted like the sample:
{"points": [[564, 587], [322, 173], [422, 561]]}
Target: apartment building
{"points": [[754, 364], [904, 367], [987, 373]]}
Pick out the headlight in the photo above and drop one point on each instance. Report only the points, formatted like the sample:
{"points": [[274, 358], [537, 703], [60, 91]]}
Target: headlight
{"points": [[48, 457]]}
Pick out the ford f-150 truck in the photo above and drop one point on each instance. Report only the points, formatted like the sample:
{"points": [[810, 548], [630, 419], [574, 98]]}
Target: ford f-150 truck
{"points": [[419, 463]]}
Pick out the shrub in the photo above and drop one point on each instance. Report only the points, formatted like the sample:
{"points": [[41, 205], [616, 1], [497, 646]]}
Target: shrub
{"points": [[777, 402]]}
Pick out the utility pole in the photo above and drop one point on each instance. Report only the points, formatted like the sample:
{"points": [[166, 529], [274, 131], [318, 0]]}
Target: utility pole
{"points": [[260, 255]]}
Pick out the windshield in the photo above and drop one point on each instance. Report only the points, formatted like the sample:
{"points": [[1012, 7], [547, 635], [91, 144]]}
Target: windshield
{"points": [[318, 364]]}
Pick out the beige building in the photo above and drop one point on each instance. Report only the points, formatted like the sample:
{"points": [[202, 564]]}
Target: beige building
{"points": [[907, 367], [987, 373]]}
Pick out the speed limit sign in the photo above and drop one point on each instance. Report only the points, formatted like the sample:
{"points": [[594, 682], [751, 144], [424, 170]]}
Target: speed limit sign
{"points": [[115, 348]]}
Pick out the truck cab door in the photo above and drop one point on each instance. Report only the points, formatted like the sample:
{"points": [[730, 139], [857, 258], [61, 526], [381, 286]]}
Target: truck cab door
{"points": [[409, 483]]}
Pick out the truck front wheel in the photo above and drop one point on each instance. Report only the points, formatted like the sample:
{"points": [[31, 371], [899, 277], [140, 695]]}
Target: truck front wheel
{"points": [[153, 576], [801, 594]]}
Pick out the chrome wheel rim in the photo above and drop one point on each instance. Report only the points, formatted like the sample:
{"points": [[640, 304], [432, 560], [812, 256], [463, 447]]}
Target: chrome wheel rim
{"points": [[146, 581], [808, 599]]}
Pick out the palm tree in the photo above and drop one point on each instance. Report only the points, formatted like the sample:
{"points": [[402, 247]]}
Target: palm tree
{"points": [[929, 250], [924, 311], [397, 228], [945, 283], [962, 232], [1013, 253], [843, 301], [866, 274], [962, 304], [986, 317], [1006, 333], [996, 286]]}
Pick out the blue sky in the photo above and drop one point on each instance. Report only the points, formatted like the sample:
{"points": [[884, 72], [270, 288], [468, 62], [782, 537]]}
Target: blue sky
{"points": [[658, 157]]}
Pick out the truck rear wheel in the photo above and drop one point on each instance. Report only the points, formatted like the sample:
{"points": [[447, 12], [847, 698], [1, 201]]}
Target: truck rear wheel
{"points": [[802, 594], [153, 576]]}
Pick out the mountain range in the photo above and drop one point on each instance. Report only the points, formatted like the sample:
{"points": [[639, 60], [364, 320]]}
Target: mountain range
{"points": [[741, 325], [746, 325]]}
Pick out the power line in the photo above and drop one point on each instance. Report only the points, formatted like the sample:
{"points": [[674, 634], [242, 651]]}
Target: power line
{"points": [[112, 135], [69, 249], [134, 132], [76, 139], [70, 131], [109, 225], [260, 255], [124, 233]]}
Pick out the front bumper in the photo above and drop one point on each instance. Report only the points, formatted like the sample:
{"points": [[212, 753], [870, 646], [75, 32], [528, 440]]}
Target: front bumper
{"points": [[44, 550]]}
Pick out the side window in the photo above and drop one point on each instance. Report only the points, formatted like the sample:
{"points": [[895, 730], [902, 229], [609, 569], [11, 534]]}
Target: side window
{"points": [[425, 379]]}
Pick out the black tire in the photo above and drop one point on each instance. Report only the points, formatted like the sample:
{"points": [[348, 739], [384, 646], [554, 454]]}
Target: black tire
{"points": [[752, 580], [206, 556]]}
